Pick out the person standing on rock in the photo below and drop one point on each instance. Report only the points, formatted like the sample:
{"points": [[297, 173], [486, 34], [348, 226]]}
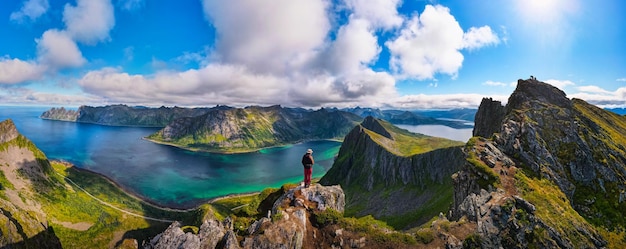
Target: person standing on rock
{"points": [[307, 162]]}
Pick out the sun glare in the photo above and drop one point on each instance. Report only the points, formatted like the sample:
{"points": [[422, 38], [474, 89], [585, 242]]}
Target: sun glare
{"points": [[541, 5], [539, 10]]}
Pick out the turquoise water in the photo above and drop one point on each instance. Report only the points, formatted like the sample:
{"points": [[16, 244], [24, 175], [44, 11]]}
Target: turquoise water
{"points": [[163, 174]]}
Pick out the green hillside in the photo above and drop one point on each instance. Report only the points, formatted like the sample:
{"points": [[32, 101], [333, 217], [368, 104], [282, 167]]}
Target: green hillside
{"points": [[397, 176]]}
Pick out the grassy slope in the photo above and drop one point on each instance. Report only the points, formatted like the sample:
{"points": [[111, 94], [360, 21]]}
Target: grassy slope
{"points": [[554, 208], [404, 144], [64, 204]]}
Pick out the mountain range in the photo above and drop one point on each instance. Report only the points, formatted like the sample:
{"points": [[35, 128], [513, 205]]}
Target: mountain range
{"points": [[542, 171]]}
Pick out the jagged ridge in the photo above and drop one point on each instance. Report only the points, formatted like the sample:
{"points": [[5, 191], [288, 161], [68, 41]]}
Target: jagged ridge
{"points": [[548, 160], [252, 128], [406, 173]]}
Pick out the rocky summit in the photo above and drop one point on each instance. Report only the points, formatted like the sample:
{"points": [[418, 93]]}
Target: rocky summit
{"points": [[544, 171]]}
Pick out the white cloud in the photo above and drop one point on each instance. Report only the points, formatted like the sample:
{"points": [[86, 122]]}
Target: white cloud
{"points": [[495, 83], [601, 97], [89, 21], [431, 42], [592, 89], [30, 10], [442, 101], [267, 36], [428, 44], [20, 95], [621, 79], [354, 48], [214, 84], [57, 50], [476, 38], [13, 71], [561, 84], [380, 13]]}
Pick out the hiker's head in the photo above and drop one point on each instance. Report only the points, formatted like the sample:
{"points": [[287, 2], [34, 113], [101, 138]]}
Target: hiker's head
{"points": [[309, 151]]}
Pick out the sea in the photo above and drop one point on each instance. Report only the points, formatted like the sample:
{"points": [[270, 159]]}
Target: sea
{"points": [[170, 176]]}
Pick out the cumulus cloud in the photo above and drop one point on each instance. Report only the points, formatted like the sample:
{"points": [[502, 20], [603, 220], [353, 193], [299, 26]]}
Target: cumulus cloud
{"points": [[476, 38], [442, 101], [13, 71], [431, 42], [213, 84], [57, 50], [267, 36], [89, 21], [30, 10], [380, 13], [560, 84], [354, 47], [602, 97]]}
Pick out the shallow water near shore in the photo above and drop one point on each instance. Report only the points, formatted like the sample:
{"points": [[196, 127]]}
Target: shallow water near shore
{"points": [[162, 174]]}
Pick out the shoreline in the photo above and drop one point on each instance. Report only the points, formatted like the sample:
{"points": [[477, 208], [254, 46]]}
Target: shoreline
{"points": [[237, 152], [128, 191], [153, 204]]}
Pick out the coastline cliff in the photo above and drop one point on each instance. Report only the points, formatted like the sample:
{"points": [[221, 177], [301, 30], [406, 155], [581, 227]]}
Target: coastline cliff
{"points": [[409, 175], [253, 128], [122, 115]]}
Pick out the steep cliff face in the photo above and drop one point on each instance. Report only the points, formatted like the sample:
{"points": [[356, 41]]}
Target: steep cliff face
{"points": [[406, 173], [552, 175], [22, 172], [61, 114], [251, 128], [122, 115], [488, 117]]}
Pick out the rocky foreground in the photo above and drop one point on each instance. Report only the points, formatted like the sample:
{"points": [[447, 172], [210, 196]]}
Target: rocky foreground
{"points": [[288, 225]]}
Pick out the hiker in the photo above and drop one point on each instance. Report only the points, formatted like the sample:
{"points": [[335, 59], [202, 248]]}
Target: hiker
{"points": [[307, 162]]}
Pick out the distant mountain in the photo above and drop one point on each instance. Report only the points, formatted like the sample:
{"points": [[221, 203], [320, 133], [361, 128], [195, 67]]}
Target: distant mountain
{"points": [[397, 176], [620, 111], [253, 128], [457, 118], [544, 171], [122, 115]]}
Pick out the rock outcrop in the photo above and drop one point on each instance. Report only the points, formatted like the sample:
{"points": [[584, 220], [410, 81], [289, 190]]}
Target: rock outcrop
{"points": [[490, 114], [376, 162], [61, 114], [253, 128], [289, 226], [546, 162]]}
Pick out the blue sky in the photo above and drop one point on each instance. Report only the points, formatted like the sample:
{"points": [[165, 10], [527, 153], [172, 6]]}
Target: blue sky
{"points": [[411, 54]]}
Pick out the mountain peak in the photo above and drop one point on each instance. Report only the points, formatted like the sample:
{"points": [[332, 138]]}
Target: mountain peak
{"points": [[534, 90], [373, 124], [8, 131]]}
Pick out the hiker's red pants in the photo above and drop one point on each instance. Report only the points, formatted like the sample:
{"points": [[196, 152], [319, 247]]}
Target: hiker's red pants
{"points": [[307, 175]]}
